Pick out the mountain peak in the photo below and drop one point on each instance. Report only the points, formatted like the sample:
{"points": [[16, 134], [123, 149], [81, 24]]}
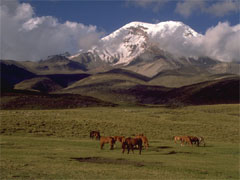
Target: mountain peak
{"points": [[131, 40]]}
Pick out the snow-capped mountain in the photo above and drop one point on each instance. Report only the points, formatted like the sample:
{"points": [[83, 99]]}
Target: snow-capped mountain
{"points": [[131, 40], [144, 48]]}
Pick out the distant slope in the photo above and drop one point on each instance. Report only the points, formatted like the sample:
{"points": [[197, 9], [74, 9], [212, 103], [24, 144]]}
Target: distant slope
{"points": [[56, 64], [108, 85], [117, 75], [184, 77], [127, 73], [39, 84], [12, 73], [65, 80], [33, 100], [223, 90]]}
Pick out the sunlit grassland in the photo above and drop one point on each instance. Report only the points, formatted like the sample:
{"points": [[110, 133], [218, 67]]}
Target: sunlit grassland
{"points": [[55, 144]]}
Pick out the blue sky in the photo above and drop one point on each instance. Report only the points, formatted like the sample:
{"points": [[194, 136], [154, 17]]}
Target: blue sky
{"points": [[111, 15]]}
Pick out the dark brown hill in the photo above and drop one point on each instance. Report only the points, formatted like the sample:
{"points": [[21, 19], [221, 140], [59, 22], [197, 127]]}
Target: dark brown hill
{"points": [[33, 100], [12, 73], [39, 84]]}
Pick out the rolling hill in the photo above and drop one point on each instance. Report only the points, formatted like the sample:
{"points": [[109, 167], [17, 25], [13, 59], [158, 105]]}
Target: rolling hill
{"points": [[13, 73], [123, 87], [39, 84]]}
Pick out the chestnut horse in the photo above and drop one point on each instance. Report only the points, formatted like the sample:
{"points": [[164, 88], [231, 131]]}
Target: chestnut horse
{"points": [[119, 139], [95, 134], [183, 139], [186, 139], [130, 143], [107, 140], [144, 140], [177, 138]]}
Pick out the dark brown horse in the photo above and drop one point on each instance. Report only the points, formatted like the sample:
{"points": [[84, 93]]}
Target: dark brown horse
{"points": [[107, 140], [144, 140], [130, 143], [95, 134], [194, 140]]}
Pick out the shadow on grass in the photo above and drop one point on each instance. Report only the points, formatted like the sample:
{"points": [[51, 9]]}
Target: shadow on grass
{"points": [[101, 160], [164, 147]]}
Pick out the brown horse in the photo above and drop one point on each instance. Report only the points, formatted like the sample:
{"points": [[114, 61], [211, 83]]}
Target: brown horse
{"points": [[130, 143], [186, 139], [183, 139], [177, 138], [107, 140], [95, 134], [144, 140], [119, 139]]}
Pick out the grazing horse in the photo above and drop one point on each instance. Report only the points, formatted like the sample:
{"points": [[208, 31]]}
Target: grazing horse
{"points": [[183, 139], [107, 140], [186, 139], [177, 138], [194, 140], [201, 140], [130, 143], [95, 134], [144, 140], [119, 139]]}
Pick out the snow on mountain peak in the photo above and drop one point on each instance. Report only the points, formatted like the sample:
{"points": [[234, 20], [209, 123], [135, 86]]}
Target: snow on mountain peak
{"points": [[129, 41]]}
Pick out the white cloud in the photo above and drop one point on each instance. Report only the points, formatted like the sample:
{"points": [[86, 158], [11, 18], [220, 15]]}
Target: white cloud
{"points": [[216, 8], [187, 7], [223, 7], [27, 37], [154, 4], [220, 42]]}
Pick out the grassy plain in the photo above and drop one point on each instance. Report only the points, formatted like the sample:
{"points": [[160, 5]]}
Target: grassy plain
{"points": [[55, 144]]}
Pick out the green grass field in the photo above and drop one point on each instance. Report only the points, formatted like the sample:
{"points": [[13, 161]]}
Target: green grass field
{"points": [[55, 144]]}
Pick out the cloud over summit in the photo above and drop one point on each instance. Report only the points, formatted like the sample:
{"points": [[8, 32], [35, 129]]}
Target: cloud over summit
{"points": [[220, 42]]}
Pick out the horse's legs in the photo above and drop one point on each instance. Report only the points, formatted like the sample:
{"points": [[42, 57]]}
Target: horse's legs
{"points": [[128, 147], [190, 143], [146, 145], [123, 147], [140, 149], [111, 146], [102, 144], [132, 148], [197, 142]]}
